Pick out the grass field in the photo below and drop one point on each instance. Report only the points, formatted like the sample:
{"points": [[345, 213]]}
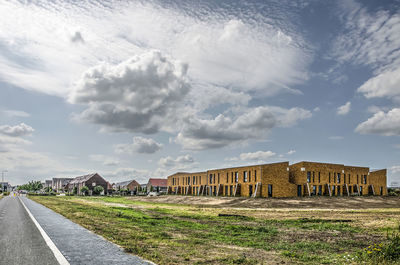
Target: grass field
{"points": [[190, 230]]}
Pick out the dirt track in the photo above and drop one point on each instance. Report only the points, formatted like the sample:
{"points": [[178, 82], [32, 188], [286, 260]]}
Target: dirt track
{"points": [[296, 203]]}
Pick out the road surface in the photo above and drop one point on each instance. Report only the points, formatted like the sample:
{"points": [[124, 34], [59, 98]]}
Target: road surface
{"points": [[21, 242]]}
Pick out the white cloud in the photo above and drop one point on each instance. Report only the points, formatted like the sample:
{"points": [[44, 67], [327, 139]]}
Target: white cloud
{"points": [[344, 109], [140, 145], [254, 123], [137, 95], [105, 160], [383, 123], [178, 162], [371, 39], [259, 155], [127, 173], [316, 109], [386, 84], [17, 130], [291, 152], [16, 113]]}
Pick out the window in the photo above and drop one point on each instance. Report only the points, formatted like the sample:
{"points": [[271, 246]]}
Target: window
{"points": [[226, 189], [308, 176], [333, 190], [227, 177], [236, 177], [249, 176], [218, 178], [319, 177], [231, 177], [381, 190], [320, 190], [210, 179], [314, 190], [365, 179], [361, 190], [255, 175], [349, 178], [344, 178], [338, 190], [313, 176], [329, 177], [338, 177], [194, 180], [334, 177], [244, 176], [357, 179]]}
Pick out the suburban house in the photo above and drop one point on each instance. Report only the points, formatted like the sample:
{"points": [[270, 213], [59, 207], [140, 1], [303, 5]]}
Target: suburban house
{"points": [[130, 185], [60, 184], [159, 185], [281, 180], [5, 186], [48, 183], [90, 181]]}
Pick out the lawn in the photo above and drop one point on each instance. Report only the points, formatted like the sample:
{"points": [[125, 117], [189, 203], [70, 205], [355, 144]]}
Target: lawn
{"points": [[178, 233]]}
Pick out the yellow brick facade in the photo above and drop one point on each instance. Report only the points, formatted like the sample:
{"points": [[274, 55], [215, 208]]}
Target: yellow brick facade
{"points": [[281, 180]]}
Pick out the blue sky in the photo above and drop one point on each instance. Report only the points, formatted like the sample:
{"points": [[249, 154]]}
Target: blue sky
{"points": [[139, 89]]}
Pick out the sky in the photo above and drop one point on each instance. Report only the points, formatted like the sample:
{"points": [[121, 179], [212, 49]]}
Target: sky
{"points": [[140, 89]]}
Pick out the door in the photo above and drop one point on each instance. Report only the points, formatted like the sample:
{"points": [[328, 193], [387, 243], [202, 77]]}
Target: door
{"points": [[250, 190], [269, 190], [299, 194]]}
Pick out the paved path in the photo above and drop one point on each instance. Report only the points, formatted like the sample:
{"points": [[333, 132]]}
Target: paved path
{"points": [[20, 240], [77, 244]]}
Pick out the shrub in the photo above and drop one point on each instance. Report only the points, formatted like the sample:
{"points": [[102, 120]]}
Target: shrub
{"points": [[98, 190], [388, 251], [84, 190]]}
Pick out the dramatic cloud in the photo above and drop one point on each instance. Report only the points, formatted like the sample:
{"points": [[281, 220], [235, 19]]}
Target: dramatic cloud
{"points": [[140, 145], [383, 123], [344, 109], [17, 130], [199, 134], [178, 162], [141, 94], [386, 84], [127, 173], [105, 160]]}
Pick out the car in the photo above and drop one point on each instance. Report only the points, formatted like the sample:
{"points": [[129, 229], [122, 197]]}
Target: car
{"points": [[152, 193]]}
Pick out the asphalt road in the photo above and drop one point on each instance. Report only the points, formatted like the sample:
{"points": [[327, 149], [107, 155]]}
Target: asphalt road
{"points": [[20, 240]]}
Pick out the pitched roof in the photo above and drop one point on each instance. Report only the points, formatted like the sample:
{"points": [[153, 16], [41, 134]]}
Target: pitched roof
{"points": [[158, 182], [81, 179], [126, 183]]}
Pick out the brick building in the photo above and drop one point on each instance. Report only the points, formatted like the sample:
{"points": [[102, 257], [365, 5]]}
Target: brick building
{"points": [[90, 181], [281, 180]]}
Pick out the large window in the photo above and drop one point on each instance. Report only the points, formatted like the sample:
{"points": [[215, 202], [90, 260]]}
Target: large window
{"points": [[319, 177], [249, 176], [338, 178], [365, 179], [308, 176], [244, 176], [269, 190], [210, 179], [236, 177], [255, 175], [227, 177]]}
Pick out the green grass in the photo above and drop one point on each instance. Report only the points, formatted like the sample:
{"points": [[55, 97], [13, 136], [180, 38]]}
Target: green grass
{"points": [[183, 234]]}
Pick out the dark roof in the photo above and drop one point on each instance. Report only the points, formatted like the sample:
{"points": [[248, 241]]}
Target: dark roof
{"points": [[158, 182], [81, 179], [126, 183]]}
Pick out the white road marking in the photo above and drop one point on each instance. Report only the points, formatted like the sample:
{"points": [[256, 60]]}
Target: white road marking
{"points": [[59, 256]]}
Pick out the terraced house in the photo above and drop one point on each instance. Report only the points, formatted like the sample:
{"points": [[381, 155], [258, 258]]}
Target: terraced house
{"points": [[281, 180]]}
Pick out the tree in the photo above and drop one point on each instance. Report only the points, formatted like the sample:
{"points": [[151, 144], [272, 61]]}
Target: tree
{"points": [[75, 191], [84, 190], [98, 190]]}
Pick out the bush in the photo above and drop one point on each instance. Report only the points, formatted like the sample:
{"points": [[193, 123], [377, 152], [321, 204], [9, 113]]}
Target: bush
{"points": [[384, 252], [84, 190], [98, 190]]}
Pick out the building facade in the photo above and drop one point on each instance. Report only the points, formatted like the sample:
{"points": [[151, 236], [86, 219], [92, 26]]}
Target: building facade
{"points": [[90, 181], [60, 184], [158, 185], [130, 185], [281, 180]]}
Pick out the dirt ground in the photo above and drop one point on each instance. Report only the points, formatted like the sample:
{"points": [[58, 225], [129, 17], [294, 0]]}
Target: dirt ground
{"points": [[336, 203]]}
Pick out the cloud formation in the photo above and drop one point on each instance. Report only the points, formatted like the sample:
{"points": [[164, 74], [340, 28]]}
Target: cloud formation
{"points": [[17, 130], [344, 109], [140, 145], [105, 160], [179, 162], [254, 123], [383, 123], [140, 94]]}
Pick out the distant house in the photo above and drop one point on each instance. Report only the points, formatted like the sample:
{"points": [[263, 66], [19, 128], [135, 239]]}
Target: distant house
{"points": [[60, 184], [48, 183], [131, 185], [159, 185], [90, 181], [5, 186]]}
